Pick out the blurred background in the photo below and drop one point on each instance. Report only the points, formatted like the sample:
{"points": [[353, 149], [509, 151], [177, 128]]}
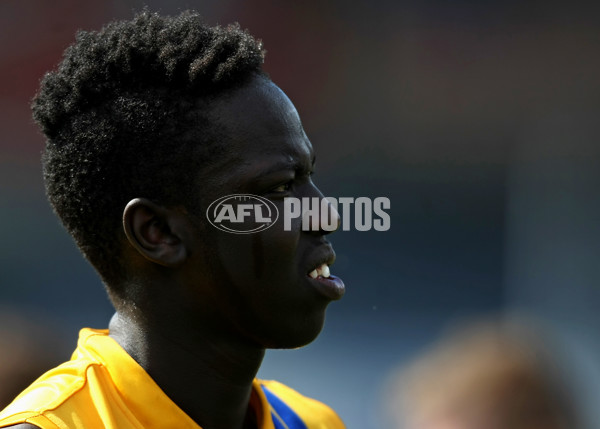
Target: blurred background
{"points": [[479, 120]]}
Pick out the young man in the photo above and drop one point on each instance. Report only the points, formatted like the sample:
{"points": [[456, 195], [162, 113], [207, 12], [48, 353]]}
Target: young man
{"points": [[148, 122]]}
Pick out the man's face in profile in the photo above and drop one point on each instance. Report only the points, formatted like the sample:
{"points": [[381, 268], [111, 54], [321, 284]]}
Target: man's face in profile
{"points": [[259, 283]]}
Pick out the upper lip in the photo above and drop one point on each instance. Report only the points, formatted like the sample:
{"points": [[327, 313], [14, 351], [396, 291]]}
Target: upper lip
{"points": [[323, 255]]}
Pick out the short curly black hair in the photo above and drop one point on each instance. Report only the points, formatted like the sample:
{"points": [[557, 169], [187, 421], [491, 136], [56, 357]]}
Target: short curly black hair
{"points": [[124, 113]]}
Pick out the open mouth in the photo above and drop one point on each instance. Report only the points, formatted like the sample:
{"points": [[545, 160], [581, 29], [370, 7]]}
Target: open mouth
{"points": [[321, 271], [327, 284]]}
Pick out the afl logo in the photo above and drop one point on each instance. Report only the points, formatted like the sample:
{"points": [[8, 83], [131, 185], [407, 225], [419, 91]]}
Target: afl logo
{"points": [[242, 213]]}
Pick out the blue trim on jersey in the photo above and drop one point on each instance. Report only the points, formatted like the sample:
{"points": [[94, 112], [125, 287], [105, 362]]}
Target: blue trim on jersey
{"points": [[280, 411]]}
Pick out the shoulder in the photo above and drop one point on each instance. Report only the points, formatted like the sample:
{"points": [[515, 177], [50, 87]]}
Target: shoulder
{"points": [[313, 412], [52, 388], [48, 393]]}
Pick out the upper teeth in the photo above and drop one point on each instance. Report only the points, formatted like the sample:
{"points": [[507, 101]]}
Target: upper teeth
{"points": [[322, 271]]}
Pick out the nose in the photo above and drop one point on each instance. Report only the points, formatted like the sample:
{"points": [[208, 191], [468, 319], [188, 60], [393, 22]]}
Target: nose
{"points": [[332, 220], [320, 215]]}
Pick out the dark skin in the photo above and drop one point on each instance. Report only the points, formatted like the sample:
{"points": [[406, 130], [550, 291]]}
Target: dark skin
{"points": [[209, 303]]}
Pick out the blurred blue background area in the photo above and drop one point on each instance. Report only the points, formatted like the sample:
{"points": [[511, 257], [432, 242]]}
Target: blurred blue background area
{"points": [[478, 120]]}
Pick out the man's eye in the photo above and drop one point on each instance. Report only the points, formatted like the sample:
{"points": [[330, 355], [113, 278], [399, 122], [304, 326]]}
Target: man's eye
{"points": [[283, 188]]}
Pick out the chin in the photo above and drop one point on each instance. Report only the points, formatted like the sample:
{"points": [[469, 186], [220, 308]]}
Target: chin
{"points": [[295, 336]]}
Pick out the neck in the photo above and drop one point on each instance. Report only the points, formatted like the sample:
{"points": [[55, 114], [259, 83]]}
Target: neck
{"points": [[209, 378]]}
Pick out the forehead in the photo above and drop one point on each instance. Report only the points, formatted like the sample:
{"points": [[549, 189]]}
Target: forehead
{"points": [[260, 127]]}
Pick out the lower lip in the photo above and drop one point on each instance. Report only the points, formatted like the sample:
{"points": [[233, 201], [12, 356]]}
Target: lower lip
{"points": [[331, 287]]}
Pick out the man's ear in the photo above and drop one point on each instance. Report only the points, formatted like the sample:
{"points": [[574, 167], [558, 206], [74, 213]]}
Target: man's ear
{"points": [[155, 232]]}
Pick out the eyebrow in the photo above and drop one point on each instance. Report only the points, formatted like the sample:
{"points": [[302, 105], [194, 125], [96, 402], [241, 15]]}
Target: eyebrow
{"points": [[282, 166], [273, 169]]}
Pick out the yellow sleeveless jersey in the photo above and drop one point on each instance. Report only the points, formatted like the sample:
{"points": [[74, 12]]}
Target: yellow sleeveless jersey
{"points": [[102, 387]]}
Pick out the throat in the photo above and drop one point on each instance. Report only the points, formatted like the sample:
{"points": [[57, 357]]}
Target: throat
{"points": [[211, 381]]}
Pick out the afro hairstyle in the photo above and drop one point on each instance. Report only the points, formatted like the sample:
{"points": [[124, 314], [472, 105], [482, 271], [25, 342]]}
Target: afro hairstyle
{"points": [[125, 116]]}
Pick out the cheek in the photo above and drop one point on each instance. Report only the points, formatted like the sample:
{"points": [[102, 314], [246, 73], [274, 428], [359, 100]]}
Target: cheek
{"points": [[273, 253], [264, 256]]}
